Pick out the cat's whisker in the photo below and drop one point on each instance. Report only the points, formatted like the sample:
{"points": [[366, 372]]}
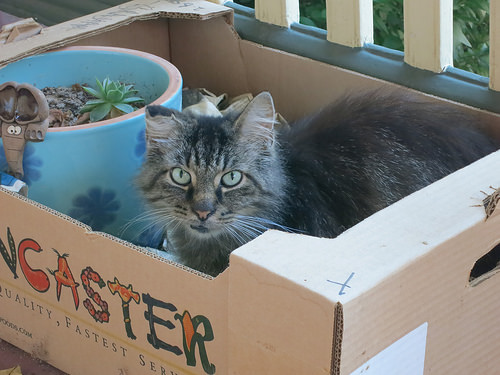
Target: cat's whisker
{"points": [[146, 216], [234, 234], [132, 225], [245, 231], [241, 237], [176, 224], [268, 224], [250, 231], [254, 225], [152, 223]]}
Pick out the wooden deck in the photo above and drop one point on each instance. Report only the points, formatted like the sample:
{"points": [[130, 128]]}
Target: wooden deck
{"points": [[10, 357]]}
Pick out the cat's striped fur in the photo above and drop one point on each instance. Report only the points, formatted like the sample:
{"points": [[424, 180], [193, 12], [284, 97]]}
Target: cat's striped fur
{"points": [[214, 183]]}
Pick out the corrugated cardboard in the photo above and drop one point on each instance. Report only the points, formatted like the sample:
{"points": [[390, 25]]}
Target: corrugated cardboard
{"points": [[405, 266], [391, 293]]}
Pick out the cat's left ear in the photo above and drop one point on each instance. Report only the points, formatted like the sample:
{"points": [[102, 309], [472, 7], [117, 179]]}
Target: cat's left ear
{"points": [[258, 118]]}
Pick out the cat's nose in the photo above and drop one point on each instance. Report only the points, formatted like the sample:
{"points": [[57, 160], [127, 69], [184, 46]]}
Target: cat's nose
{"points": [[203, 215], [203, 209]]}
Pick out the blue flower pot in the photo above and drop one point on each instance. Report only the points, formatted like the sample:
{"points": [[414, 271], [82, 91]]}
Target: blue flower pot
{"points": [[87, 171]]}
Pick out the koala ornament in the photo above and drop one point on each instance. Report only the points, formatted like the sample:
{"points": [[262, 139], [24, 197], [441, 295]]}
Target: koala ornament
{"points": [[24, 116]]}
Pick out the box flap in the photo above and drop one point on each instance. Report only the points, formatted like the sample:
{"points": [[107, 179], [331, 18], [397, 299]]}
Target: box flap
{"points": [[324, 265], [69, 32]]}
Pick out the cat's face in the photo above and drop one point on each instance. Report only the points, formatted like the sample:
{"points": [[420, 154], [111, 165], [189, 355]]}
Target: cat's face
{"points": [[212, 178]]}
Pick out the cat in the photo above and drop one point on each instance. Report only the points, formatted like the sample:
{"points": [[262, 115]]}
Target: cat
{"points": [[214, 183]]}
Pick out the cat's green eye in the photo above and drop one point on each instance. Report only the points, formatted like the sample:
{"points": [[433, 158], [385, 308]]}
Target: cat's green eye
{"points": [[231, 179], [180, 176]]}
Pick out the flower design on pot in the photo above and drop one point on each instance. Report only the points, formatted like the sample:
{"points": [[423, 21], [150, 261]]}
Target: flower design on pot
{"points": [[97, 208], [32, 164]]}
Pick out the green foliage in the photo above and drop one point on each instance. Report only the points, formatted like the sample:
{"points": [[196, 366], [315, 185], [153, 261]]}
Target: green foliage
{"points": [[470, 31], [247, 3], [113, 99], [313, 13], [388, 23], [470, 28], [471, 35]]}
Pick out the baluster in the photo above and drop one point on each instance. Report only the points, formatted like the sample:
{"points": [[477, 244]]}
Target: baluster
{"points": [[277, 12], [350, 22], [428, 34]]}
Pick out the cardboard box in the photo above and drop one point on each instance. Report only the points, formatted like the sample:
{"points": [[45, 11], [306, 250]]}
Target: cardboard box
{"points": [[392, 295]]}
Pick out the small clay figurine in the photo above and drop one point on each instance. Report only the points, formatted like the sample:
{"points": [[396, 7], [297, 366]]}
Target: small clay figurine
{"points": [[24, 116]]}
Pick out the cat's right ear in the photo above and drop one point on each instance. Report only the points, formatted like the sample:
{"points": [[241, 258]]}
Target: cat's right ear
{"points": [[161, 124]]}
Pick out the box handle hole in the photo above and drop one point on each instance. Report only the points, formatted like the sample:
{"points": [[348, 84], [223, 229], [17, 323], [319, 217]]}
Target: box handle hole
{"points": [[485, 267]]}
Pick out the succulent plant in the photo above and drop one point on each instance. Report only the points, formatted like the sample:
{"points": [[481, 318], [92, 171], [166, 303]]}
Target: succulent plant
{"points": [[113, 99]]}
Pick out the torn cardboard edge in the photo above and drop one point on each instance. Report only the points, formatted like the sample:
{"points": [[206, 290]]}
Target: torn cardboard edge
{"points": [[19, 30], [109, 19], [490, 203], [485, 267], [488, 275]]}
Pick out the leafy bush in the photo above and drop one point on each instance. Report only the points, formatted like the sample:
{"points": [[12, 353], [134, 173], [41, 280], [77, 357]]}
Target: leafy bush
{"points": [[388, 23], [313, 13], [471, 35], [470, 28]]}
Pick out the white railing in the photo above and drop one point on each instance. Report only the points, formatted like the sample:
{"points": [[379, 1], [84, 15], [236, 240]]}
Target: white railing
{"points": [[428, 30]]}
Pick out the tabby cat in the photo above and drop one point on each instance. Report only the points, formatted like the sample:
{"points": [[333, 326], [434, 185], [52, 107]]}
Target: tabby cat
{"points": [[214, 183]]}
